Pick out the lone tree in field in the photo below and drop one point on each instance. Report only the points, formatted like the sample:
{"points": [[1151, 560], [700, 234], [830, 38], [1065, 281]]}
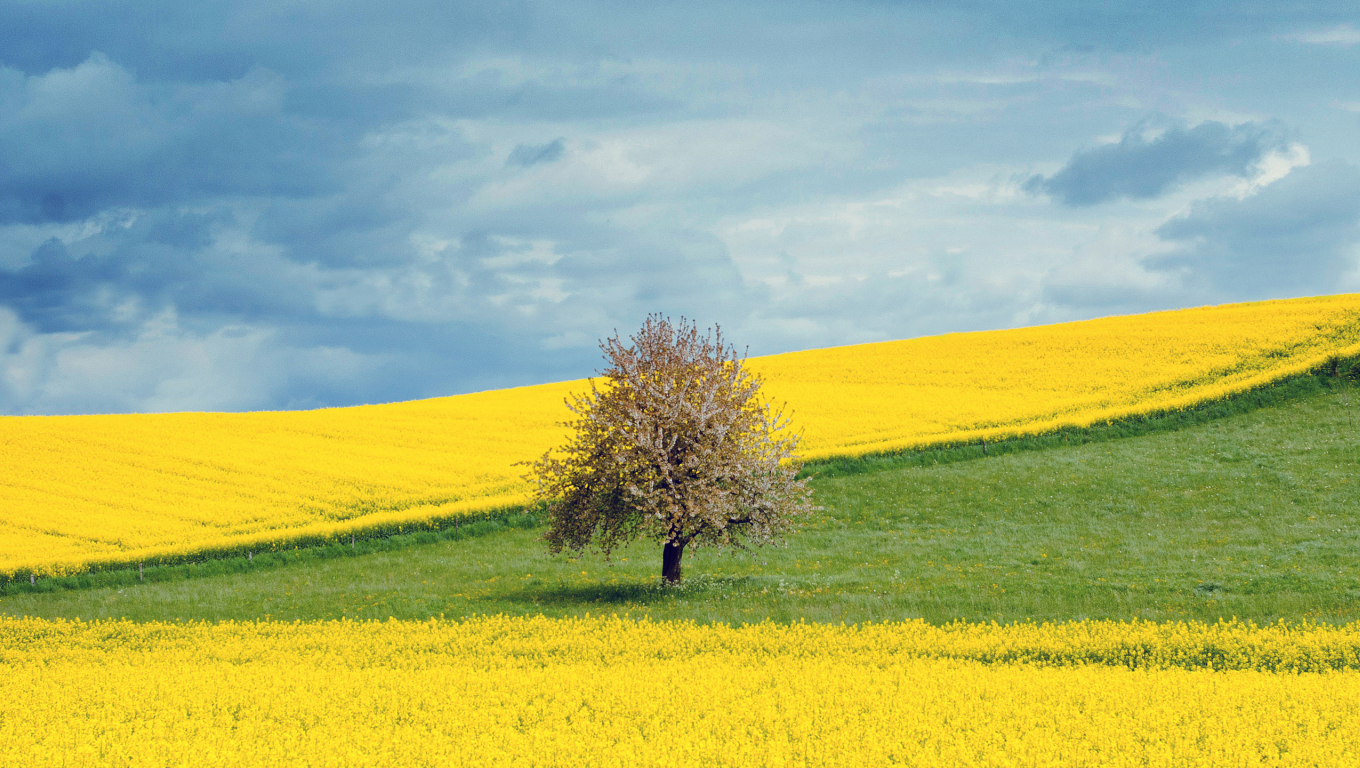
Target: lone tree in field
{"points": [[675, 446]]}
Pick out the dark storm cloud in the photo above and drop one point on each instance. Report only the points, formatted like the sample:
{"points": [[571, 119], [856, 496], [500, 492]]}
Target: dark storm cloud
{"points": [[1294, 237], [58, 293], [74, 142], [1138, 167], [159, 260]]}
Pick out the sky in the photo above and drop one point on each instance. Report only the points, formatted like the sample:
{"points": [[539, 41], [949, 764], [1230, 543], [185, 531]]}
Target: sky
{"points": [[285, 205]]}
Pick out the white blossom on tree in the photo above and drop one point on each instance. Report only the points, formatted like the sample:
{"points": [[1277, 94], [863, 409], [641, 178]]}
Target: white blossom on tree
{"points": [[677, 446]]}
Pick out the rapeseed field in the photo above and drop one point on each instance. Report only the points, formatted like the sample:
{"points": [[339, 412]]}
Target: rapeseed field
{"points": [[626, 691], [617, 692], [85, 492]]}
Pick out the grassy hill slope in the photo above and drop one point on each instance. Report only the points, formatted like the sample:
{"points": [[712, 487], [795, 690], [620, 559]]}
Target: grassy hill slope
{"points": [[1254, 515]]}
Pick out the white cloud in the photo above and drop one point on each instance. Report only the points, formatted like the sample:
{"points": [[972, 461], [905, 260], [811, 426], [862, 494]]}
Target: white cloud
{"points": [[1107, 270], [162, 368], [1273, 167], [1342, 34]]}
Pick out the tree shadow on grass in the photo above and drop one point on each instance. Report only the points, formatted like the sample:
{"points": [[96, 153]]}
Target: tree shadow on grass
{"points": [[651, 592]]}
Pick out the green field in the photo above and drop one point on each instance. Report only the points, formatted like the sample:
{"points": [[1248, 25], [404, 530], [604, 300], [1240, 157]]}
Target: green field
{"points": [[1253, 515]]}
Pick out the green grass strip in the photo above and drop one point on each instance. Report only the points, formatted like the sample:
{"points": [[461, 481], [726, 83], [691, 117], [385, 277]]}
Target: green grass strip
{"points": [[267, 560], [1308, 385]]}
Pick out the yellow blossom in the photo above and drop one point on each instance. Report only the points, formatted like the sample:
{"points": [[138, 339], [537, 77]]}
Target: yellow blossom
{"points": [[613, 692]]}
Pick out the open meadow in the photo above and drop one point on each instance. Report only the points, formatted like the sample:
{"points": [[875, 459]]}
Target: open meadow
{"points": [[1176, 588]]}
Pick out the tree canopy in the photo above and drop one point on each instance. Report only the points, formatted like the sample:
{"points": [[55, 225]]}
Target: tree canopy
{"points": [[676, 445]]}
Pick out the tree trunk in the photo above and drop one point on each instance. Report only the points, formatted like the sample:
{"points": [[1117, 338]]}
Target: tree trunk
{"points": [[670, 562]]}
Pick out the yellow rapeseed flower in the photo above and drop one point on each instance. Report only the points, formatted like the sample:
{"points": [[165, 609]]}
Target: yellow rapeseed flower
{"points": [[613, 692]]}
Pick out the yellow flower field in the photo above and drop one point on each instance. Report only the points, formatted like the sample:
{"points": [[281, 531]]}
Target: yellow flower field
{"points": [[612, 692], [82, 492]]}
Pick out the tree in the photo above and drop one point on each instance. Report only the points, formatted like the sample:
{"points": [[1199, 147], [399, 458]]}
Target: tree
{"points": [[676, 446]]}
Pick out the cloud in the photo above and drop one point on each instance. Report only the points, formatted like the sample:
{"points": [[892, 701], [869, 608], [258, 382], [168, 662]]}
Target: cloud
{"points": [[164, 366], [1108, 274], [525, 155], [171, 363], [122, 272], [1343, 34], [221, 42], [1294, 237], [1142, 167], [76, 141], [258, 205]]}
